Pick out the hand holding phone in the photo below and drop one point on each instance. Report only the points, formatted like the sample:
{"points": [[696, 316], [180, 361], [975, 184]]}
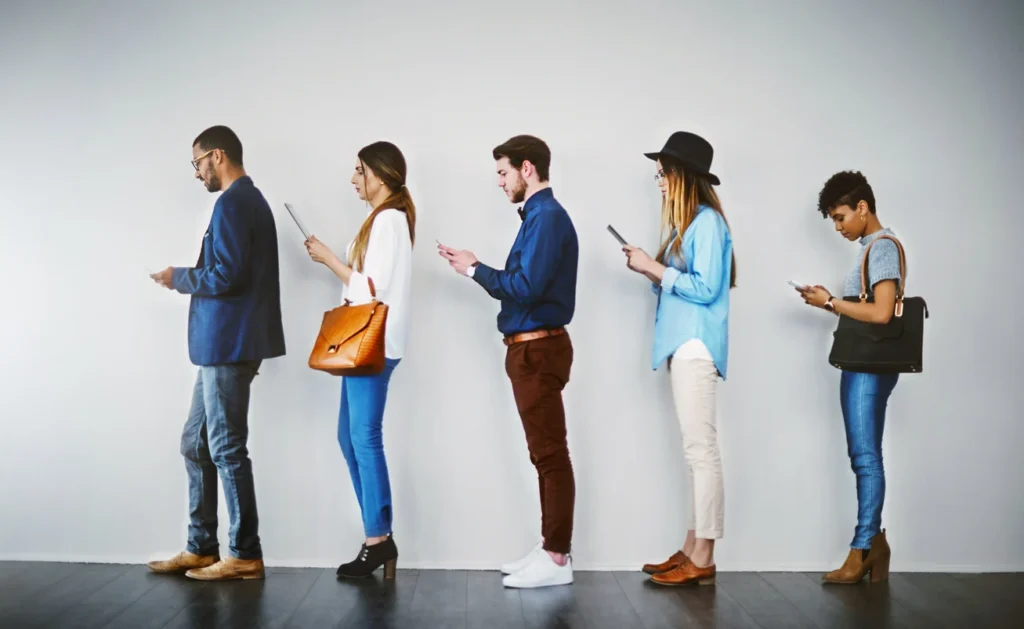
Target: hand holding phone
{"points": [[798, 286]]}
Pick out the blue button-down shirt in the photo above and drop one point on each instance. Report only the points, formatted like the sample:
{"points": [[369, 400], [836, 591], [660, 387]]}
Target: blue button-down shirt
{"points": [[537, 288], [693, 297]]}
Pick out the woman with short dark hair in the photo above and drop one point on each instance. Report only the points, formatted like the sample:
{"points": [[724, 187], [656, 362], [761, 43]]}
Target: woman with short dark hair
{"points": [[847, 199]]}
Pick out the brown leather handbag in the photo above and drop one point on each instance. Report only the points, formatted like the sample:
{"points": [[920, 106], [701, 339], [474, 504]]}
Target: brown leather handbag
{"points": [[351, 339]]}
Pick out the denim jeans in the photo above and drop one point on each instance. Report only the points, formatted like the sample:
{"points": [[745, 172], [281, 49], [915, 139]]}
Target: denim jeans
{"points": [[864, 397], [361, 436], [214, 441]]}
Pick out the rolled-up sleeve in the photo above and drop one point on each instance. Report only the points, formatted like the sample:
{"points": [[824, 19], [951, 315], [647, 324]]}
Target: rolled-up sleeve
{"points": [[702, 282]]}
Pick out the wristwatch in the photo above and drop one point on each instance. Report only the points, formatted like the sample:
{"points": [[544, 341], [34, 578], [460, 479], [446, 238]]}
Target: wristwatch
{"points": [[829, 305], [471, 269]]}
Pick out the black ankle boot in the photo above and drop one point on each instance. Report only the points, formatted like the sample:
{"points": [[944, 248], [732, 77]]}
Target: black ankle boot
{"points": [[369, 559]]}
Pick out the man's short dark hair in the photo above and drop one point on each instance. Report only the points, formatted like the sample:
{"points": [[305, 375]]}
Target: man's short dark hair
{"points": [[523, 148], [223, 138], [845, 188]]}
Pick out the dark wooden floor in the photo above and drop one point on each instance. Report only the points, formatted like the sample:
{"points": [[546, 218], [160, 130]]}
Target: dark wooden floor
{"points": [[84, 596]]}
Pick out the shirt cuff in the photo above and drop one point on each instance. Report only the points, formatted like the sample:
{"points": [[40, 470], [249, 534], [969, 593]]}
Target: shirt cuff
{"points": [[177, 275], [482, 273], [669, 277]]}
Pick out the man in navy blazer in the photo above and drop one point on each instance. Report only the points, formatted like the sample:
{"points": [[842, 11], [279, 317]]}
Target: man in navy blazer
{"points": [[234, 323]]}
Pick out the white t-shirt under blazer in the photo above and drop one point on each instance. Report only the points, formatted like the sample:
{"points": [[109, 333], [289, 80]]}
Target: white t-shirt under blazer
{"points": [[389, 263]]}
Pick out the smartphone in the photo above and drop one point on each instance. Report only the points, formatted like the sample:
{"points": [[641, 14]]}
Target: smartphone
{"points": [[797, 286], [621, 240]]}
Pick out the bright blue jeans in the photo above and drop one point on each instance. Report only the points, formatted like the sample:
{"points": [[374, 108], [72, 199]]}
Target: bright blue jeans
{"points": [[361, 436], [864, 397], [214, 442]]}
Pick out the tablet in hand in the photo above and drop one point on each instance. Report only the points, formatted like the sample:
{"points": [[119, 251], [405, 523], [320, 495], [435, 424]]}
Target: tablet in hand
{"points": [[622, 241]]}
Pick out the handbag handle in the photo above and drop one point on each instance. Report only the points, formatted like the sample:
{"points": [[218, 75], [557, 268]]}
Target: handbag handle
{"points": [[901, 285]]}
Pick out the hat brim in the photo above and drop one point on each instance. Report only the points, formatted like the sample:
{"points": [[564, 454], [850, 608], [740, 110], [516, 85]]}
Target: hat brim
{"points": [[712, 179]]}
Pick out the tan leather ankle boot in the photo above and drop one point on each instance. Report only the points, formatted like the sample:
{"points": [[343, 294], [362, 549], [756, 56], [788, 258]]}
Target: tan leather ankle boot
{"points": [[876, 562]]}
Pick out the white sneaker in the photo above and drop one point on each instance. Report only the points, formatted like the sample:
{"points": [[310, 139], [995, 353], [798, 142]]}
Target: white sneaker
{"points": [[541, 572], [516, 566]]}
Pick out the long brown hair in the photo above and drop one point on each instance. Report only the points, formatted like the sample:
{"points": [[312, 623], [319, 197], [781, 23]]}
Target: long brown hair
{"points": [[687, 191], [388, 163]]}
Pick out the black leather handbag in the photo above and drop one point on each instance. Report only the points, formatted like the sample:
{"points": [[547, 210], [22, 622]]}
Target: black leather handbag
{"points": [[893, 347]]}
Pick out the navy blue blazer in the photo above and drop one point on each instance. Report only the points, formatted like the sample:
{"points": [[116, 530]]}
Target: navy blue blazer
{"points": [[235, 313]]}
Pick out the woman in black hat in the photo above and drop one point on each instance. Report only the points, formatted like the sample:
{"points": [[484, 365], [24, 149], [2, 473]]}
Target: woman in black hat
{"points": [[692, 274]]}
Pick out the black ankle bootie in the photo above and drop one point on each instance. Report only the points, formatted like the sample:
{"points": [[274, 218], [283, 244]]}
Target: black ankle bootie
{"points": [[369, 559]]}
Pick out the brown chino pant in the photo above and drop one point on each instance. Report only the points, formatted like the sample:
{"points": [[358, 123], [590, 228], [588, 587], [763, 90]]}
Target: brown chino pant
{"points": [[539, 370]]}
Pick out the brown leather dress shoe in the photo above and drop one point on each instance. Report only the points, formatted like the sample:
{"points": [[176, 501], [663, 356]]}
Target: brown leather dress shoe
{"points": [[677, 559], [229, 568], [857, 564], [182, 563], [686, 574]]}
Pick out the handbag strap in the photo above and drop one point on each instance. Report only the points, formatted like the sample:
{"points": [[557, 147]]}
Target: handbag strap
{"points": [[373, 291], [900, 286]]}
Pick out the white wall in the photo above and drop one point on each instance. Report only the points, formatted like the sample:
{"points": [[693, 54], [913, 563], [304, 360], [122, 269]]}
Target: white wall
{"points": [[100, 104]]}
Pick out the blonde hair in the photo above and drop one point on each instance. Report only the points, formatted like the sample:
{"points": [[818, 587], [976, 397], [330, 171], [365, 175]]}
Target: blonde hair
{"points": [[388, 163], [680, 205]]}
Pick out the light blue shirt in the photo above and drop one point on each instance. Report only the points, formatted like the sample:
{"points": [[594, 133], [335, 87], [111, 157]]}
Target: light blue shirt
{"points": [[693, 297]]}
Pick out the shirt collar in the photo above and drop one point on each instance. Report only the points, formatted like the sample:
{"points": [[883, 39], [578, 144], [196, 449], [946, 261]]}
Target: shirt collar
{"points": [[244, 179], [538, 197]]}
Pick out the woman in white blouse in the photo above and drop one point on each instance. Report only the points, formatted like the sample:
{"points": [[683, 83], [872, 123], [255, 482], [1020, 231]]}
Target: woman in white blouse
{"points": [[381, 252]]}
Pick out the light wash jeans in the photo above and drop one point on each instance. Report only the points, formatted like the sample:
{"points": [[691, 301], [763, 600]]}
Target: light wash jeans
{"points": [[214, 441], [864, 397], [361, 437]]}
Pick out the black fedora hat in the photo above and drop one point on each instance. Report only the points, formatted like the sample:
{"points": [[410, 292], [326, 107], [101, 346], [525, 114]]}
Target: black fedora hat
{"points": [[692, 150]]}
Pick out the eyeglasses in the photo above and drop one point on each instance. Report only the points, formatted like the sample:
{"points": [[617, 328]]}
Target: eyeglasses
{"points": [[195, 162]]}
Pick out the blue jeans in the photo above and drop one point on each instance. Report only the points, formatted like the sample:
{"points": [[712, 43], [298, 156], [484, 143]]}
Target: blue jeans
{"points": [[213, 442], [361, 436], [864, 397]]}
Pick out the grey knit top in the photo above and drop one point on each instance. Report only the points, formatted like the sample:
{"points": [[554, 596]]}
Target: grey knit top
{"points": [[884, 264]]}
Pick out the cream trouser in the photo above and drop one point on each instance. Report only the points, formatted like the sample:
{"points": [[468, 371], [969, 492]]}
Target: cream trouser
{"points": [[694, 385]]}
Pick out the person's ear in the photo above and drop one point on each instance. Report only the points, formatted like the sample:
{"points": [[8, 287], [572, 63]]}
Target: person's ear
{"points": [[527, 169]]}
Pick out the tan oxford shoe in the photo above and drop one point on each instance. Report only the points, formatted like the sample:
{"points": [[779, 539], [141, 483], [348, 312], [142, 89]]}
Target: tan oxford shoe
{"points": [[229, 568], [677, 559], [182, 563]]}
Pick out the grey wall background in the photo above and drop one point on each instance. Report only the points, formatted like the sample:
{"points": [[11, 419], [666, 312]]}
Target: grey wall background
{"points": [[100, 102]]}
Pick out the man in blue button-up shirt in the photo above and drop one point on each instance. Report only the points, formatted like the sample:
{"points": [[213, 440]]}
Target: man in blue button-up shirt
{"points": [[537, 290], [234, 323]]}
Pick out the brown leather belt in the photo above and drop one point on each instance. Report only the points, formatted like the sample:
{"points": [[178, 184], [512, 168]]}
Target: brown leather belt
{"points": [[522, 337]]}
